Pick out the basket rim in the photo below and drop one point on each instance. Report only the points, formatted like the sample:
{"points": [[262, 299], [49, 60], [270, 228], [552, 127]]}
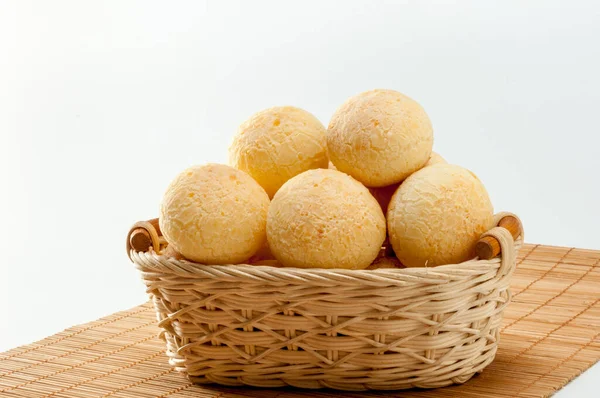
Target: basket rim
{"points": [[342, 271], [152, 263]]}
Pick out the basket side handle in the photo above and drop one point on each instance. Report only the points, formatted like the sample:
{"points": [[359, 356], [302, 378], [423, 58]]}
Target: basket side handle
{"points": [[144, 235], [489, 246]]}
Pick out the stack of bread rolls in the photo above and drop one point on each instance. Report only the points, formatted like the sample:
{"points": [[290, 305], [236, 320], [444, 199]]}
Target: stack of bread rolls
{"points": [[366, 192]]}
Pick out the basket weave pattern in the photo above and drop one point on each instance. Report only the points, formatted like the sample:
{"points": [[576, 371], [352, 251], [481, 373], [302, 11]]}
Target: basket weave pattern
{"points": [[343, 329]]}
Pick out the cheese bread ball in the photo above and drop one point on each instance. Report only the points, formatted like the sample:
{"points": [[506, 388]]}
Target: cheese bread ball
{"points": [[380, 137], [384, 194], [278, 143], [437, 215], [325, 219], [172, 253], [435, 158], [214, 214]]}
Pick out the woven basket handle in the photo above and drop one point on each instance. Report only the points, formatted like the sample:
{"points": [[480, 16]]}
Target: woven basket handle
{"points": [[506, 242], [144, 235], [489, 246]]}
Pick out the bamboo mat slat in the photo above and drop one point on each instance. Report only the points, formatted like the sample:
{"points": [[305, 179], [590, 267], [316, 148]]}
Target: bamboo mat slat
{"points": [[551, 334]]}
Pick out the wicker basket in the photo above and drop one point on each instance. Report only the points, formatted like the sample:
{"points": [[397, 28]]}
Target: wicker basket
{"points": [[378, 329]]}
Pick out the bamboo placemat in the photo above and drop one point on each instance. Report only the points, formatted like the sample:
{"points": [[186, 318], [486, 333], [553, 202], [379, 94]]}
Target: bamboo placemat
{"points": [[551, 334]]}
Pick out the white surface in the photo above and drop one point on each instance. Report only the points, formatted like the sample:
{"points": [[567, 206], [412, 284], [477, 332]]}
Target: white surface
{"points": [[102, 103]]}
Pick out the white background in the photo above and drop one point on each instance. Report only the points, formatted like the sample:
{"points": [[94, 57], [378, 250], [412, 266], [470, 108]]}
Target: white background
{"points": [[102, 103]]}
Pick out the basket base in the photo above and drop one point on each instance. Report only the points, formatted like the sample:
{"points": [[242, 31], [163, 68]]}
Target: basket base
{"points": [[368, 383]]}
